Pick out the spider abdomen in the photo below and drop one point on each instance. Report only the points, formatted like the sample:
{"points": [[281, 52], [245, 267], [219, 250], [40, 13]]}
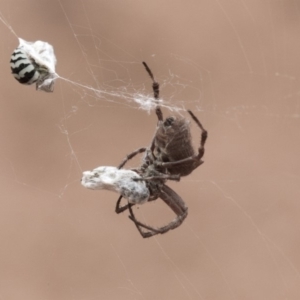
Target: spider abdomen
{"points": [[173, 142]]}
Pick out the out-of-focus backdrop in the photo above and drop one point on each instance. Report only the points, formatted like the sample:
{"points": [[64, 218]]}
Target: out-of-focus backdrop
{"points": [[236, 64]]}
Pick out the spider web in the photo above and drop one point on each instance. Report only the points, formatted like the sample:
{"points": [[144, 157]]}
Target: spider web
{"points": [[236, 66]]}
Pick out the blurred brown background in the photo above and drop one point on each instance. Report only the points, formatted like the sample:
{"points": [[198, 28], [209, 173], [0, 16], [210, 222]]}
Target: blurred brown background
{"points": [[236, 64]]}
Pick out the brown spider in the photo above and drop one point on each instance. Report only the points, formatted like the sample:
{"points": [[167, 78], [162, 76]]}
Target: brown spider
{"points": [[170, 156]]}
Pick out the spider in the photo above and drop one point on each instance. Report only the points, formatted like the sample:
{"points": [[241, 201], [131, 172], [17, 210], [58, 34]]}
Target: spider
{"points": [[170, 156]]}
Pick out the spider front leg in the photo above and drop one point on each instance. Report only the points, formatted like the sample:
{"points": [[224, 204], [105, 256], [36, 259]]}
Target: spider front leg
{"points": [[131, 155]]}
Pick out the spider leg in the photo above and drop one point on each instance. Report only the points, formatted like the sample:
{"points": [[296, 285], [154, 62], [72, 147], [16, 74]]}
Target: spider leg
{"points": [[131, 155], [154, 231], [159, 113], [203, 135], [177, 162], [159, 176], [119, 209], [155, 87], [174, 201], [138, 224]]}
